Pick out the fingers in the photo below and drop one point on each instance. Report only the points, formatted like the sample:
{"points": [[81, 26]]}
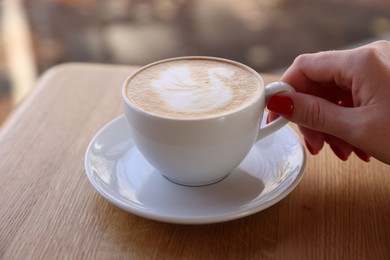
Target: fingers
{"points": [[361, 154], [314, 140], [310, 70], [314, 113], [339, 147], [332, 104]]}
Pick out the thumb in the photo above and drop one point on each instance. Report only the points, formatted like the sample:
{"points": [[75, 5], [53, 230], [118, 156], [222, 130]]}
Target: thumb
{"points": [[313, 112]]}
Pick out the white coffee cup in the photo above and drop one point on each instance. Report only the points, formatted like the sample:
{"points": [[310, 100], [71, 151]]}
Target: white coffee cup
{"points": [[202, 150]]}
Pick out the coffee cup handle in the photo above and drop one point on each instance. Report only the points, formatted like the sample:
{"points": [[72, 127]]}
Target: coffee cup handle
{"points": [[272, 89]]}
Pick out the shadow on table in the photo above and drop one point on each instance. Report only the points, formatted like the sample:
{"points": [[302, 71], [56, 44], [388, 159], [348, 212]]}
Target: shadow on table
{"points": [[317, 222]]}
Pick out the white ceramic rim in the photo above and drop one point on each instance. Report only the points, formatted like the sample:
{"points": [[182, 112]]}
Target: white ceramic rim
{"points": [[140, 110]]}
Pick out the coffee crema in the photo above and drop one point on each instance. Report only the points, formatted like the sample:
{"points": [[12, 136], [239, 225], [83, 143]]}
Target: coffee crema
{"points": [[192, 88]]}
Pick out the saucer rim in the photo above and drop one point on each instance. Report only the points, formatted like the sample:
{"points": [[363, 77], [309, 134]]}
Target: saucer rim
{"points": [[173, 218]]}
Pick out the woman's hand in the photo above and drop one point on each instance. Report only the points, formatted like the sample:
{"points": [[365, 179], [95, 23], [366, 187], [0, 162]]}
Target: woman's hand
{"points": [[343, 99]]}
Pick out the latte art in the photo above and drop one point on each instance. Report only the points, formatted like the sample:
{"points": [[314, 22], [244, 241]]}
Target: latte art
{"points": [[192, 88], [180, 91]]}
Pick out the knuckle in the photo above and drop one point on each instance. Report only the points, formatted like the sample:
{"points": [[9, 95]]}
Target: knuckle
{"points": [[301, 60], [315, 117], [370, 53], [381, 44]]}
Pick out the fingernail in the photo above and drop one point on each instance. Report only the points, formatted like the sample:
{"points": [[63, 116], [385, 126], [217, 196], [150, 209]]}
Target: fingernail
{"points": [[362, 155], [281, 105], [338, 152], [348, 102], [309, 147]]}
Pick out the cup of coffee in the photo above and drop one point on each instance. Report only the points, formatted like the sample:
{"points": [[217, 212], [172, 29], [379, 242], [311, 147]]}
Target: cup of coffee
{"points": [[195, 119]]}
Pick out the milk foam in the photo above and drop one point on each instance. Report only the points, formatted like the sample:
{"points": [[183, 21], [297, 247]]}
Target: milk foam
{"points": [[181, 91], [192, 88]]}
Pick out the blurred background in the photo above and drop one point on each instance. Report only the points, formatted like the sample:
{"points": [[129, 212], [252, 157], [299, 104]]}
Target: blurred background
{"points": [[266, 35]]}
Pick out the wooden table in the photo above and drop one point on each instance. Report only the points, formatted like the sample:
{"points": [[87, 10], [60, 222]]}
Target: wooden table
{"points": [[49, 210]]}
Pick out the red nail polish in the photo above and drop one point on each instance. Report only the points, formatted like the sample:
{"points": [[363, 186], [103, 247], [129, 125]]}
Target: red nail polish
{"points": [[338, 152], [362, 155], [309, 147], [347, 102], [281, 105]]}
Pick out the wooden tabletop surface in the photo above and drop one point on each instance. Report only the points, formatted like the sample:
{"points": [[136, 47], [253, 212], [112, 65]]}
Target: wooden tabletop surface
{"points": [[49, 210]]}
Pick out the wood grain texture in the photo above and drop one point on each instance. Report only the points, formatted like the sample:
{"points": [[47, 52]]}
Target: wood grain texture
{"points": [[48, 209]]}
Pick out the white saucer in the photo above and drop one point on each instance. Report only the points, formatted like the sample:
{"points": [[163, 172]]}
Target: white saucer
{"points": [[120, 174]]}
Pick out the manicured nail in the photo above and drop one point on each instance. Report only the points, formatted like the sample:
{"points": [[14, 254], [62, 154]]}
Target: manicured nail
{"points": [[309, 147], [338, 152], [362, 155], [281, 105], [348, 102]]}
